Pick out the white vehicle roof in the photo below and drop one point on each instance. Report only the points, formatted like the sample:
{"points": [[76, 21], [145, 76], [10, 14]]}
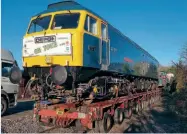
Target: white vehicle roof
{"points": [[7, 55]]}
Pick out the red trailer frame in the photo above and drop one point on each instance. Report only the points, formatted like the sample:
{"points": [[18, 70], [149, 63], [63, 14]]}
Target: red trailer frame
{"points": [[98, 115]]}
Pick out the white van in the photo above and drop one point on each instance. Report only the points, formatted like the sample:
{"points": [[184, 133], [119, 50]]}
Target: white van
{"points": [[10, 77]]}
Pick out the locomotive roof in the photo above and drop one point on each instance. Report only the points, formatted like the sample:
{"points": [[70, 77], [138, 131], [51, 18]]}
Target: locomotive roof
{"points": [[72, 5]]}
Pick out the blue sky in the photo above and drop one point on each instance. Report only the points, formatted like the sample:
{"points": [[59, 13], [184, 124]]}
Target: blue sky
{"points": [[159, 26]]}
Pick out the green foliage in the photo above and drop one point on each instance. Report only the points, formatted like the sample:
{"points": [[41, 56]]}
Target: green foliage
{"points": [[178, 103], [172, 70], [179, 98]]}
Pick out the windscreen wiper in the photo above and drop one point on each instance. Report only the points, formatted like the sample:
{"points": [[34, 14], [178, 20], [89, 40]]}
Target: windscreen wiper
{"points": [[36, 18]]}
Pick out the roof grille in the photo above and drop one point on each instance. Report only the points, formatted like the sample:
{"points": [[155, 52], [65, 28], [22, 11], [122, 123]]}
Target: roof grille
{"points": [[63, 3]]}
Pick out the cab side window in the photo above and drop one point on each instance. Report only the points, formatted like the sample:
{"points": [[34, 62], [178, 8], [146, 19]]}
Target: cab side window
{"points": [[104, 31], [91, 25]]}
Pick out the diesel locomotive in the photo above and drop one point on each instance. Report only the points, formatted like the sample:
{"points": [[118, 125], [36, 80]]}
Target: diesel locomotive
{"points": [[70, 49]]}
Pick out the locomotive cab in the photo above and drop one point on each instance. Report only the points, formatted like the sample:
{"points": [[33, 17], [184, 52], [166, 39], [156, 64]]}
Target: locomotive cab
{"points": [[53, 38]]}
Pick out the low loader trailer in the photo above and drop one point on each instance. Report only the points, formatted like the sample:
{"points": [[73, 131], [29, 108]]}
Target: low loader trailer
{"points": [[100, 115]]}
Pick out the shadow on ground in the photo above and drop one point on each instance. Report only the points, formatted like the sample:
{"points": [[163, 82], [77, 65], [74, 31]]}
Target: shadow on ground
{"points": [[157, 120], [21, 107]]}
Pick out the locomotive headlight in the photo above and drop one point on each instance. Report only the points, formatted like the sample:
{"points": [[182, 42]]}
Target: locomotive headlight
{"points": [[48, 59]]}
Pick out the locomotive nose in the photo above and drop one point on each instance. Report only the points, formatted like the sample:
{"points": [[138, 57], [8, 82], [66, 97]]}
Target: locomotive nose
{"points": [[59, 75]]}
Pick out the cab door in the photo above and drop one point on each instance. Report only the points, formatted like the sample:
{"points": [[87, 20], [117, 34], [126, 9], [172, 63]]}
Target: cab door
{"points": [[104, 47]]}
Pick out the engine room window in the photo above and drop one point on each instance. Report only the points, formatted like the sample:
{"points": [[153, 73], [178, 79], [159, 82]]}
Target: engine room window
{"points": [[104, 31], [91, 25], [66, 21], [39, 24]]}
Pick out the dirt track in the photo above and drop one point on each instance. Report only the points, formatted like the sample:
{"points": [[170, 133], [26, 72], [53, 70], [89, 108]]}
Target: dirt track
{"points": [[156, 120]]}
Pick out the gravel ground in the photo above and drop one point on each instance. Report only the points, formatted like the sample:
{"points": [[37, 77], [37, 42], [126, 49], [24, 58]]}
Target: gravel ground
{"points": [[157, 120], [22, 124]]}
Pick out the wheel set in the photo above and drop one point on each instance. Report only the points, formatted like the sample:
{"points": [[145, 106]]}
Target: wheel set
{"points": [[104, 125]]}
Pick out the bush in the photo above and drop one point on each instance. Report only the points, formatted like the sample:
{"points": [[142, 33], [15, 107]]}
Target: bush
{"points": [[178, 103]]}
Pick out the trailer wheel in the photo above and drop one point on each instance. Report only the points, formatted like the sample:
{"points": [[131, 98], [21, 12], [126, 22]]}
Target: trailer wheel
{"points": [[145, 104], [136, 108], [150, 102], [106, 123], [118, 116], [153, 100], [128, 113], [142, 105], [159, 97]]}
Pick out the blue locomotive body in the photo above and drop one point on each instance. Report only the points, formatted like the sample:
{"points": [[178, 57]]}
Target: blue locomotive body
{"points": [[117, 53], [125, 56]]}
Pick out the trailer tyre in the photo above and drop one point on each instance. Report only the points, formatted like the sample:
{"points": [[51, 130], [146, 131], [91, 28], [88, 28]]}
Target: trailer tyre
{"points": [[4, 106], [145, 104], [136, 108], [142, 105], [106, 123], [150, 102], [153, 100], [118, 116], [128, 113]]}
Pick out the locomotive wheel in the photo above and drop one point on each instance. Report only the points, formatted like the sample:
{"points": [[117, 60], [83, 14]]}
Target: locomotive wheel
{"points": [[106, 123], [128, 113], [118, 116]]}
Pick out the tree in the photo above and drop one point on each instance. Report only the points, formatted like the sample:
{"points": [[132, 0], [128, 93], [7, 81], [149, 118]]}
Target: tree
{"points": [[181, 69], [183, 54]]}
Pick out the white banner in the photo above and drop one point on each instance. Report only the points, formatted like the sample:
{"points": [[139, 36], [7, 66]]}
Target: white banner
{"points": [[62, 46]]}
